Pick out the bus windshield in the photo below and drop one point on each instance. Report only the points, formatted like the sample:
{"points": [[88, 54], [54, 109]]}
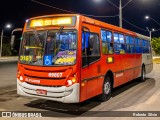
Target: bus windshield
{"points": [[49, 48]]}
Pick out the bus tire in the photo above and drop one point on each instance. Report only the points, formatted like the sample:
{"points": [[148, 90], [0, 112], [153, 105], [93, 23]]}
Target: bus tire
{"points": [[106, 90], [143, 74]]}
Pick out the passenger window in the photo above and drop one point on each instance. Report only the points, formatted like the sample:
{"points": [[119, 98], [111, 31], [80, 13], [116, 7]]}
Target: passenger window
{"points": [[138, 46], [119, 45], [107, 46], [130, 48], [145, 46]]}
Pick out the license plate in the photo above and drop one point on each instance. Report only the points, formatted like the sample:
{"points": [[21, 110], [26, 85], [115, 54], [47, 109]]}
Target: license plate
{"points": [[42, 92]]}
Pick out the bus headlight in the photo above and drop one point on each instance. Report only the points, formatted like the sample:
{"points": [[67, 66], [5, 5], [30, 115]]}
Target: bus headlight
{"points": [[21, 78], [71, 81]]}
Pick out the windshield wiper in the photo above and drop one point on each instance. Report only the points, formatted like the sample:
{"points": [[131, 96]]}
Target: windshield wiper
{"points": [[57, 36], [60, 30]]}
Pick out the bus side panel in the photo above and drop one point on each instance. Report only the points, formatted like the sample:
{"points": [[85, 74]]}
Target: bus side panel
{"points": [[118, 79], [99, 85], [83, 91], [147, 60], [128, 75], [138, 66], [92, 88], [116, 67], [137, 72], [128, 65]]}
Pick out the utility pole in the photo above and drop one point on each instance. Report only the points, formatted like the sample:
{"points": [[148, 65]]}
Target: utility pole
{"points": [[1, 43], [120, 13]]}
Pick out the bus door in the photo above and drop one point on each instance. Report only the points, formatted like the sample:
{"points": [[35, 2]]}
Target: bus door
{"points": [[90, 67]]}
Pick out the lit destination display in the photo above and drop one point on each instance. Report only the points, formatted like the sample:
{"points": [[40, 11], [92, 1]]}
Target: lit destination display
{"points": [[51, 21]]}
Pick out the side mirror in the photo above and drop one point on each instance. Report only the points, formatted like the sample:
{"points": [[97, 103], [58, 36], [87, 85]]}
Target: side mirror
{"points": [[12, 42]]}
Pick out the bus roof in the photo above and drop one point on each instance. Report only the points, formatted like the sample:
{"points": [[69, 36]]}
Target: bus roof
{"points": [[99, 23]]}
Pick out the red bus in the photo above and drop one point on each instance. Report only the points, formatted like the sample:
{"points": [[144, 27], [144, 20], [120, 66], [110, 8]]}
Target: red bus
{"points": [[70, 58]]}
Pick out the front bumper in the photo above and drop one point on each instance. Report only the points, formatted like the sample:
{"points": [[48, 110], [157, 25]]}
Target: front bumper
{"points": [[61, 94]]}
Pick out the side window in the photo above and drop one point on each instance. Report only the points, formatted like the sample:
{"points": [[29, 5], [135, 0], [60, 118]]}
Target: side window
{"points": [[107, 46], [130, 44], [90, 48], [145, 46], [138, 46], [94, 47], [85, 43], [119, 45], [149, 46]]}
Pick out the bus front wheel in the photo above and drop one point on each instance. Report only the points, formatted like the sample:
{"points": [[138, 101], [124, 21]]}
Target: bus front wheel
{"points": [[106, 90]]}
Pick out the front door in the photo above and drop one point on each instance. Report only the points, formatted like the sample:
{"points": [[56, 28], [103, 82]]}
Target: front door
{"points": [[90, 69]]}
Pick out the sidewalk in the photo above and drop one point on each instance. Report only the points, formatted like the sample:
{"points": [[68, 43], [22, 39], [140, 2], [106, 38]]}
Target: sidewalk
{"points": [[10, 58], [154, 57]]}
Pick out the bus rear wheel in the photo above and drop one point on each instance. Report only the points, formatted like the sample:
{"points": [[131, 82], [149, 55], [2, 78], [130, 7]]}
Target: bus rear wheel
{"points": [[143, 74], [106, 90]]}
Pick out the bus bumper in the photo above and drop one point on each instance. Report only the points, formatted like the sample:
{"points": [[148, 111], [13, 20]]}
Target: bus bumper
{"points": [[61, 94]]}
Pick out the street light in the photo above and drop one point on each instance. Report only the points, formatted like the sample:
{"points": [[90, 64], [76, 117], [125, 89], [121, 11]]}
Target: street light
{"points": [[148, 17], [150, 32], [8, 26], [153, 29]]}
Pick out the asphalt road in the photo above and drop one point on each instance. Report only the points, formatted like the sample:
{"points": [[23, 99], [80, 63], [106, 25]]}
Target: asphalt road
{"points": [[124, 98], [8, 71]]}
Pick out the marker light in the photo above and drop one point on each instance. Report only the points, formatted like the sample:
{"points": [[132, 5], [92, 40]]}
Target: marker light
{"points": [[110, 59], [82, 84]]}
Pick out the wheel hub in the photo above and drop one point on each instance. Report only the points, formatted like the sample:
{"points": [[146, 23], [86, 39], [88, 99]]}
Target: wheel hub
{"points": [[107, 88]]}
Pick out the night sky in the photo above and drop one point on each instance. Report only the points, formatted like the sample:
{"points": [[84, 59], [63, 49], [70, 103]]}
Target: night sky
{"points": [[17, 11]]}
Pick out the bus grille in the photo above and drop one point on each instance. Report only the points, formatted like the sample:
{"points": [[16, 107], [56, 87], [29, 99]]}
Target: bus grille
{"points": [[45, 85], [45, 78]]}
